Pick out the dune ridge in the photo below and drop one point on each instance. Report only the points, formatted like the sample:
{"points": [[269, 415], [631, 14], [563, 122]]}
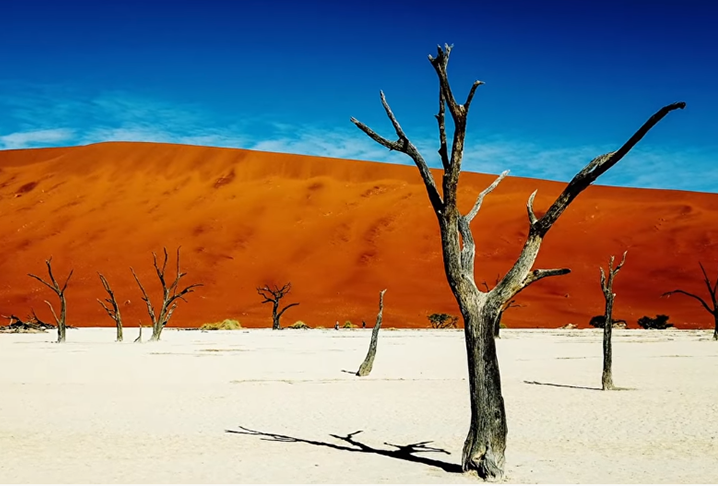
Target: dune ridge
{"points": [[339, 230]]}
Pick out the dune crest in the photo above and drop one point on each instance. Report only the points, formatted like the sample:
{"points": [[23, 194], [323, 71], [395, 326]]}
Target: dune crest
{"points": [[339, 230]]}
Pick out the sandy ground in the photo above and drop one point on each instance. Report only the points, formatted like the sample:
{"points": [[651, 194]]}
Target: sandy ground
{"points": [[92, 410]]}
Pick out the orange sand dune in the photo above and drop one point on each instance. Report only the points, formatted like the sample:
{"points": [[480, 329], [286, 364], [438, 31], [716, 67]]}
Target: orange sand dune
{"points": [[339, 230]]}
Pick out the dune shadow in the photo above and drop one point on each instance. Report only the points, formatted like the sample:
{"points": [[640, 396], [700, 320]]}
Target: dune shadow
{"points": [[402, 452], [562, 386]]}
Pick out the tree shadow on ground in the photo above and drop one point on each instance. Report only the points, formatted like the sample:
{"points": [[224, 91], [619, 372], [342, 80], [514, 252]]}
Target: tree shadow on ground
{"points": [[615, 388], [562, 386], [402, 452]]}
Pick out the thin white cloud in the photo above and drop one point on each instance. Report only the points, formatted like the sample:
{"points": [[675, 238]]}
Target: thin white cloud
{"points": [[119, 116], [36, 138]]}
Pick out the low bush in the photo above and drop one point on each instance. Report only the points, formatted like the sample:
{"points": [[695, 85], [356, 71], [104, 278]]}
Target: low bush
{"points": [[225, 325], [443, 321], [599, 321], [349, 325], [658, 322], [299, 325]]}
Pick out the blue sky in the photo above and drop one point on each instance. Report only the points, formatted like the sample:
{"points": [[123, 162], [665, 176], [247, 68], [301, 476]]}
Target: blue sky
{"points": [[565, 80]]}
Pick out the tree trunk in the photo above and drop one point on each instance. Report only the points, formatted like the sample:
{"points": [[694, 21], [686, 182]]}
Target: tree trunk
{"points": [[607, 377], [368, 363], [118, 323], [715, 333], [485, 444], [275, 316], [61, 322]]}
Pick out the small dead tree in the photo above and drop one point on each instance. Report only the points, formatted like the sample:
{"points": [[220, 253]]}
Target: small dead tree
{"points": [[60, 291], [138, 339], [368, 363], [111, 307], [486, 441], [274, 294], [712, 291], [170, 295], [609, 296]]}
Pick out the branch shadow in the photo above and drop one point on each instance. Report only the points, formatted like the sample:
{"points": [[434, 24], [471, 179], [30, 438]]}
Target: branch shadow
{"points": [[562, 386], [402, 452]]}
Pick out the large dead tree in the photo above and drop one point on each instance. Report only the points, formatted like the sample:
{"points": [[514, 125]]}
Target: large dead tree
{"points": [[712, 291], [274, 294], [486, 441], [170, 294], [111, 307], [609, 296], [368, 363], [60, 291]]}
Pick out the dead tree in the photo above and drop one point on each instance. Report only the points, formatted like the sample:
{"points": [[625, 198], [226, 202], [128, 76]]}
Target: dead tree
{"points": [[486, 441], [273, 294], [712, 291], [170, 295], [60, 291], [368, 363], [111, 307], [608, 295], [138, 339]]}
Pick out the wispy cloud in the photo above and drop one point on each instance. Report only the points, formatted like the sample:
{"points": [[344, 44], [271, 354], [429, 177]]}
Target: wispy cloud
{"points": [[48, 116], [36, 138]]}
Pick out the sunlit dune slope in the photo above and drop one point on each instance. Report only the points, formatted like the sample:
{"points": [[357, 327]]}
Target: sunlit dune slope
{"points": [[338, 230]]}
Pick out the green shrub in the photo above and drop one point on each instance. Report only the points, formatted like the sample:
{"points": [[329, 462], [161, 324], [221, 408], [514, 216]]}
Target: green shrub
{"points": [[443, 321], [503, 326], [349, 325], [299, 325], [225, 325]]}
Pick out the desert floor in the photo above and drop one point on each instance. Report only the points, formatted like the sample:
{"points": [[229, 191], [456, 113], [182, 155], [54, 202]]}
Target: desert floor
{"points": [[93, 410]]}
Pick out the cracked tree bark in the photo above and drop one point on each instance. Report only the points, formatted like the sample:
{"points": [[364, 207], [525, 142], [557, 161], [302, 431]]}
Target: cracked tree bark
{"points": [[60, 291], [368, 363], [170, 295], [712, 291], [609, 296], [485, 444]]}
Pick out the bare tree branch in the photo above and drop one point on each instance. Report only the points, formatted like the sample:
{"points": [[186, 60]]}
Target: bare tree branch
{"points": [[441, 119], [597, 167], [404, 145], [479, 201], [698, 298], [57, 320], [539, 274], [530, 208]]}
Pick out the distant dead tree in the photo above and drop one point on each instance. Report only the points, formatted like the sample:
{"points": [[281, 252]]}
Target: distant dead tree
{"points": [[712, 291], [60, 291], [170, 295], [111, 307], [273, 294], [138, 339], [486, 441], [609, 296], [368, 363]]}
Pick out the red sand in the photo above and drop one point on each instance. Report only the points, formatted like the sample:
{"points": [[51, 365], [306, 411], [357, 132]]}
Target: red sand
{"points": [[339, 230]]}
